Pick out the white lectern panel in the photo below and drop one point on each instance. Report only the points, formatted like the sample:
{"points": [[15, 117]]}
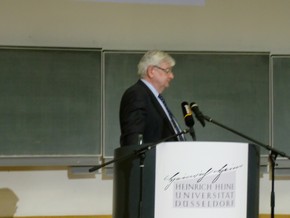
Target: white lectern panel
{"points": [[201, 180]]}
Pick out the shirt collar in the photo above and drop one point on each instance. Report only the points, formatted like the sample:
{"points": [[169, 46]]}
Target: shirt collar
{"points": [[151, 87]]}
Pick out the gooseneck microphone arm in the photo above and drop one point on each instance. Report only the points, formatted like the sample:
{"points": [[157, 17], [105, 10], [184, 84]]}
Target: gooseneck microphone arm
{"points": [[203, 117], [207, 118], [282, 154]]}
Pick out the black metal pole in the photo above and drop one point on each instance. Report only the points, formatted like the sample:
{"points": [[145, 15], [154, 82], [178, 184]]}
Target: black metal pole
{"points": [[272, 158], [142, 158]]}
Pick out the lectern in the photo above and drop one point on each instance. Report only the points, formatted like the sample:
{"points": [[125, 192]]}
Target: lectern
{"points": [[188, 179]]}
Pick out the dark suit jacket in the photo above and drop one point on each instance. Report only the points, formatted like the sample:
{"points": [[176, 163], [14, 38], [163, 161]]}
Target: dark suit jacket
{"points": [[141, 113]]}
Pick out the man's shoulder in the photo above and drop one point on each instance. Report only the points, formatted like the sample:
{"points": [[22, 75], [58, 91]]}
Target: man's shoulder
{"points": [[138, 91], [139, 86]]}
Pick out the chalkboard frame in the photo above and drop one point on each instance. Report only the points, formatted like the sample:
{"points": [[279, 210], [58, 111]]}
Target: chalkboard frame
{"points": [[176, 100], [68, 158], [280, 74]]}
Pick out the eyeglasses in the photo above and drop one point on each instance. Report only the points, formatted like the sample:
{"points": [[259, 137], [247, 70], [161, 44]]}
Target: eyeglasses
{"points": [[167, 70]]}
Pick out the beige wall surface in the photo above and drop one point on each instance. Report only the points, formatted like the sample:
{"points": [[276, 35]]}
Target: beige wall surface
{"points": [[223, 25], [219, 25]]}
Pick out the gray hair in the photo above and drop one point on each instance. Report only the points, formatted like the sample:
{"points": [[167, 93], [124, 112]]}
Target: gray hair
{"points": [[153, 57]]}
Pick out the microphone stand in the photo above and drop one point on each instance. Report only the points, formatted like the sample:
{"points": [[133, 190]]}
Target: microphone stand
{"points": [[141, 153], [272, 157], [141, 165], [192, 133]]}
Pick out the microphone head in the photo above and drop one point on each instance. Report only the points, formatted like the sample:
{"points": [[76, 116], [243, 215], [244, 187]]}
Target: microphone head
{"points": [[197, 112], [187, 114]]}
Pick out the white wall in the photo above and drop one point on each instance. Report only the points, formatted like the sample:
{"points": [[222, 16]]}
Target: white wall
{"points": [[52, 193], [220, 25]]}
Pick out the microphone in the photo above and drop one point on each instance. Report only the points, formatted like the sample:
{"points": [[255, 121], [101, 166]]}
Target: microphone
{"points": [[187, 114], [188, 119], [198, 114]]}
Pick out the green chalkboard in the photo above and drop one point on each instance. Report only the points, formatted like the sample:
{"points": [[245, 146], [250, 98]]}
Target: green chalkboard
{"points": [[281, 103], [231, 88], [50, 103]]}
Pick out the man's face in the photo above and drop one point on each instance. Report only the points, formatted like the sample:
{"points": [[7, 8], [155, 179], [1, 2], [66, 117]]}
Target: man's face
{"points": [[161, 76]]}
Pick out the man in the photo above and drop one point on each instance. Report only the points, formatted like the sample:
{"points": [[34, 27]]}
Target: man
{"points": [[142, 111]]}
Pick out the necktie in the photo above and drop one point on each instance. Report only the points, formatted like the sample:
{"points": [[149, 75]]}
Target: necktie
{"points": [[172, 119]]}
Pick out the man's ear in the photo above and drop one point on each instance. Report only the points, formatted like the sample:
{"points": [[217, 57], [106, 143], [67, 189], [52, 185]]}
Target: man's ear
{"points": [[149, 71]]}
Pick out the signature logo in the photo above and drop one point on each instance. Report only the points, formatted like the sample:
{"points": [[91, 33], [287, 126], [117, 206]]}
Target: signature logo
{"points": [[201, 176]]}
